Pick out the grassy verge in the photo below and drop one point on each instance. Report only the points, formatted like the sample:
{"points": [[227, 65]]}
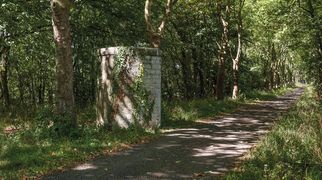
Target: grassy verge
{"points": [[33, 149], [184, 113], [292, 150]]}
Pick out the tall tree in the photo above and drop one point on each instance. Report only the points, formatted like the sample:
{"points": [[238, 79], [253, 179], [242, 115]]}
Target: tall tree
{"points": [[4, 75], [239, 49], [154, 35], [224, 16], [313, 9], [64, 64]]}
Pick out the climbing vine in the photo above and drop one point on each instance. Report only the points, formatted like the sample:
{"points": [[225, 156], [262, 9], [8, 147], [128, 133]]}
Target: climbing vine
{"points": [[125, 84], [143, 101]]}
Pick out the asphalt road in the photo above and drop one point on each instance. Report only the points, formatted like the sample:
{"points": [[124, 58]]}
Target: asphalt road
{"points": [[205, 151]]}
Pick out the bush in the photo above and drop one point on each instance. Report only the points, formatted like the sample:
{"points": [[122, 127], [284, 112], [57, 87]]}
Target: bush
{"points": [[53, 125]]}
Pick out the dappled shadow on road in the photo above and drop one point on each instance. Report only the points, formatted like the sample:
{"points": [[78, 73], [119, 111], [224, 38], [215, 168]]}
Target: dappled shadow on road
{"points": [[206, 150]]}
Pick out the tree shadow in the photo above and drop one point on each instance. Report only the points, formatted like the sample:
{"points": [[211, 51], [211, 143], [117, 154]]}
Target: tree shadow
{"points": [[207, 150]]}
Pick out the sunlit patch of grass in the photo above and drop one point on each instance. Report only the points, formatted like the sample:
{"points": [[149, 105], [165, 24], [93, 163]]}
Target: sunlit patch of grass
{"points": [[292, 150], [266, 95], [184, 113]]}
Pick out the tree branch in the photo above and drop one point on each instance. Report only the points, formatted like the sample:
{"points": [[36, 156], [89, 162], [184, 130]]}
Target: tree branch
{"points": [[170, 4], [306, 10], [147, 16]]}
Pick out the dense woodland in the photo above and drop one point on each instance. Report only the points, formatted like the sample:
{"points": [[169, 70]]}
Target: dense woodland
{"points": [[217, 55], [211, 49]]}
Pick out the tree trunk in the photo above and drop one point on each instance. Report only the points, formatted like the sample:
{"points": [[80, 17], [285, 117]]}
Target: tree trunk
{"points": [[93, 82], [41, 91], [195, 60], [239, 51], [198, 75], [50, 95], [154, 36], [313, 14], [271, 78], [202, 90], [319, 34], [278, 80], [214, 82], [65, 103], [273, 67], [4, 75], [320, 74], [223, 50], [235, 78], [32, 90], [186, 72], [21, 91], [220, 79]]}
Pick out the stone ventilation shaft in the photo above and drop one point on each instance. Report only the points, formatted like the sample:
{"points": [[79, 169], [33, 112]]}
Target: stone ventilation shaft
{"points": [[129, 87]]}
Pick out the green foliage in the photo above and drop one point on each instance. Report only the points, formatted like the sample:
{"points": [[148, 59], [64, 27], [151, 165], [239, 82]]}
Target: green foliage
{"points": [[38, 148], [181, 114], [281, 41], [292, 150], [266, 95], [49, 124], [133, 86], [142, 101], [120, 59], [189, 45]]}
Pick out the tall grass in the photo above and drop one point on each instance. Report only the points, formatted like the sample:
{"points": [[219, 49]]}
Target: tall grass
{"points": [[292, 150]]}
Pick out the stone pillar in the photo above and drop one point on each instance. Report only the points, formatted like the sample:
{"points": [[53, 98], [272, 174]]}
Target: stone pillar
{"points": [[129, 87], [152, 82]]}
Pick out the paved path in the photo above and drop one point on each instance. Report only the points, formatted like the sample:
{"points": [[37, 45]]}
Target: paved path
{"points": [[209, 149]]}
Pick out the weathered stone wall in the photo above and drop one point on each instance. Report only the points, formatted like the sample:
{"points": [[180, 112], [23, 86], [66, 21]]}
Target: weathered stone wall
{"points": [[118, 99]]}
